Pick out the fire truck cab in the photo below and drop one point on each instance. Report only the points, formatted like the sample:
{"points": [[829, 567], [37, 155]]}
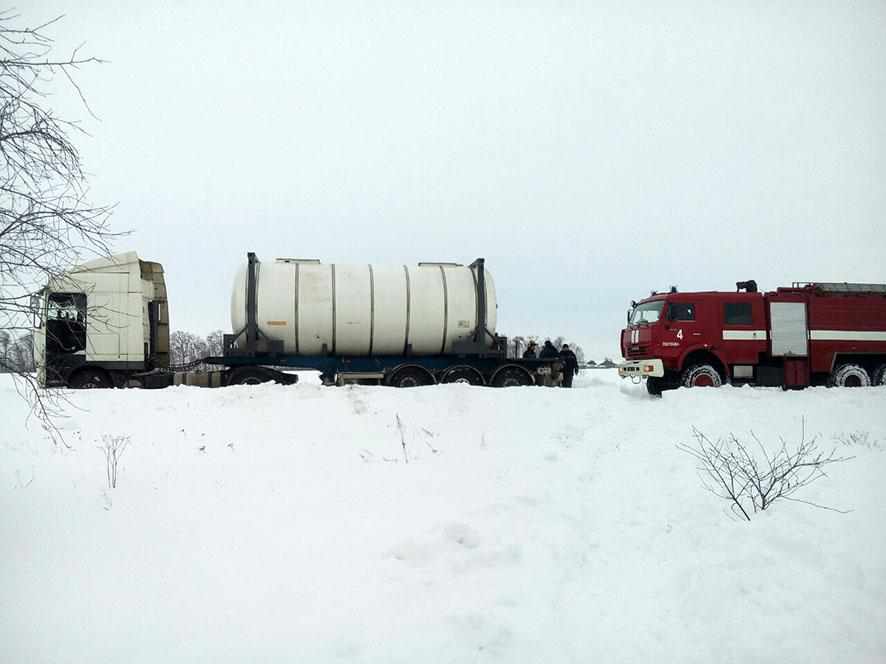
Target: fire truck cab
{"points": [[806, 334]]}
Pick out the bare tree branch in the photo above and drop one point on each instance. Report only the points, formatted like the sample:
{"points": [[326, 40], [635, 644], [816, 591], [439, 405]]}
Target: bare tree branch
{"points": [[47, 223]]}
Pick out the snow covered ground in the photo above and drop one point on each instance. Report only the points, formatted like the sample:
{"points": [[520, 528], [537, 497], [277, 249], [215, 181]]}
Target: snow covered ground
{"points": [[283, 524]]}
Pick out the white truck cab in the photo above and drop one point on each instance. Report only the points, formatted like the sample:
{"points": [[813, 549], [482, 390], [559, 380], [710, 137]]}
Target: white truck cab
{"points": [[102, 324]]}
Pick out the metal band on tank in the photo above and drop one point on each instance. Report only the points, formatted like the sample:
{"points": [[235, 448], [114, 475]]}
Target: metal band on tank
{"points": [[333, 308], [408, 313], [445, 310], [476, 300], [371, 307], [295, 307]]}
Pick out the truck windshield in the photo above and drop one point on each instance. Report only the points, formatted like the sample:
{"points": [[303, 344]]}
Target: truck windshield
{"points": [[648, 312]]}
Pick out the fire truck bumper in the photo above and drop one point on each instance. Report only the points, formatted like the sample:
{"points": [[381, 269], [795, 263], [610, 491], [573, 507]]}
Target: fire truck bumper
{"points": [[641, 369]]}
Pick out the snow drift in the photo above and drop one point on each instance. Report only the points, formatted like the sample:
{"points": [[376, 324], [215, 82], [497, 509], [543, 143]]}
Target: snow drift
{"points": [[276, 524]]}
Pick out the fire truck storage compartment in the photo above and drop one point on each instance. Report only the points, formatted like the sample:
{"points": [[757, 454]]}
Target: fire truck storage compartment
{"points": [[788, 331], [796, 372], [768, 376]]}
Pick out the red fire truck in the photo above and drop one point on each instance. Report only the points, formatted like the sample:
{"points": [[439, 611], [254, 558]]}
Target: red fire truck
{"points": [[807, 334]]}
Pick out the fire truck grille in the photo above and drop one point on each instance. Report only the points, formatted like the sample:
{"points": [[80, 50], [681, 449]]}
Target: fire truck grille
{"points": [[635, 352]]}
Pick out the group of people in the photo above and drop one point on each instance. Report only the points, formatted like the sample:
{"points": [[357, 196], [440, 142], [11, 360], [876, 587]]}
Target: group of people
{"points": [[549, 351]]}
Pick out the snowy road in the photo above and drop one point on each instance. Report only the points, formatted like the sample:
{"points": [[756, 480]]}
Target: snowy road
{"points": [[284, 524]]}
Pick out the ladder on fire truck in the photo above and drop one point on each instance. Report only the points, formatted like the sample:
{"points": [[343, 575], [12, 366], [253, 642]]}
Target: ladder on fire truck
{"points": [[836, 287]]}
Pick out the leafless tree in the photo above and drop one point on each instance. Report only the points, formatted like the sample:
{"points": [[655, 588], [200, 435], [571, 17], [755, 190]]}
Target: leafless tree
{"points": [[518, 344], [751, 482], [215, 343], [19, 355], [46, 221], [5, 340], [579, 354], [185, 347]]}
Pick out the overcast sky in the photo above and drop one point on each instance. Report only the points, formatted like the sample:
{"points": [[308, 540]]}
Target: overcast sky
{"points": [[590, 151]]}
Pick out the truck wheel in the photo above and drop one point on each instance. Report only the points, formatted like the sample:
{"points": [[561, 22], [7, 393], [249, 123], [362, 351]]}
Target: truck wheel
{"points": [[655, 386], [511, 377], [702, 375], [880, 375], [465, 375], [90, 379], [850, 375], [410, 377], [249, 376]]}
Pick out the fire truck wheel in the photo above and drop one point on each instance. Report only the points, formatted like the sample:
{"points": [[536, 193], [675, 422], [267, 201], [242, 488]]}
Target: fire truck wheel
{"points": [[880, 375], [655, 386], [850, 375], [702, 375]]}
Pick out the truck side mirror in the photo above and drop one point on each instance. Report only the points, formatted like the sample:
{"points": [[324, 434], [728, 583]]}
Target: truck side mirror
{"points": [[36, 310]]}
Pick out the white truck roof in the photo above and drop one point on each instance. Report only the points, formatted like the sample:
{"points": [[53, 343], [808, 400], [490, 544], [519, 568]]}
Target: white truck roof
{"points": [[114, 262]]}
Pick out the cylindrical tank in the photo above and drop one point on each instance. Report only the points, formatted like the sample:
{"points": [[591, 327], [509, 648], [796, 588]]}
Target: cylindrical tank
{"points": [[364, 309]]}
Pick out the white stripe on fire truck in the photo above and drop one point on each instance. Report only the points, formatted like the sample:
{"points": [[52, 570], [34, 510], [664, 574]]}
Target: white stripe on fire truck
{"points": [[744, 335], [846, 335]]}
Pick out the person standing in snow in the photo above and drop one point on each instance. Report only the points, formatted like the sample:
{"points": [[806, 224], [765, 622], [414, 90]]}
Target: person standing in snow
{"points": [[531, 352], [570, 365], [548, 351]]}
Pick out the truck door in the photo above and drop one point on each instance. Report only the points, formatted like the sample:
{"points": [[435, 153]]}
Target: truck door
{"points": [[681, 326], [744, 333], [65, 334]]}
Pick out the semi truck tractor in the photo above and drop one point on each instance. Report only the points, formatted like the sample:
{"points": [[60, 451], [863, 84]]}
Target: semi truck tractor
{"points": [[806, 334], [106, 324]]}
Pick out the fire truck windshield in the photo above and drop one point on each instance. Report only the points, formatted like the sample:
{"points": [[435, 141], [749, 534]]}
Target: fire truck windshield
{"points": [[647, 312]]}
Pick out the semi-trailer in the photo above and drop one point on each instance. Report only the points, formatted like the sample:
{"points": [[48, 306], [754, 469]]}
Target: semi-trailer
{"points": [[106, 324], [815, 333]]}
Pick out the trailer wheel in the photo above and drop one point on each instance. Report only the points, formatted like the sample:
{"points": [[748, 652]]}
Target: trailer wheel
{"points": [[249, 376], [410, 377], [90, 379], [466, 375], [880, 375], [511, 377], [850, 375], [702, 375]]}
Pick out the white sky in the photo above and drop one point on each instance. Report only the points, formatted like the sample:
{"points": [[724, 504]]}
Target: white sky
{"points": [[590, 151]]}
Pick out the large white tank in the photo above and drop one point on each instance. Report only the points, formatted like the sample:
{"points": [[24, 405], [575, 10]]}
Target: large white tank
{"points": [[364, 309]]}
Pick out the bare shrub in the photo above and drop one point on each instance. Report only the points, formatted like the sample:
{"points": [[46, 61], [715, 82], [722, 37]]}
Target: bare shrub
{"points": [[859, 439], [751, 481], [113, 448], [402, 437]]}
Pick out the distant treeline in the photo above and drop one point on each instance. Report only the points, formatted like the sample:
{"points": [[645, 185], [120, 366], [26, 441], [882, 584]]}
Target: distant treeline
{"points": [[16, 352]]}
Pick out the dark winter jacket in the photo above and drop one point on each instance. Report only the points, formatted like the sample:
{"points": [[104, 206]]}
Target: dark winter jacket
{"points": [[548, 351], [529, 354], [570, 362]]}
